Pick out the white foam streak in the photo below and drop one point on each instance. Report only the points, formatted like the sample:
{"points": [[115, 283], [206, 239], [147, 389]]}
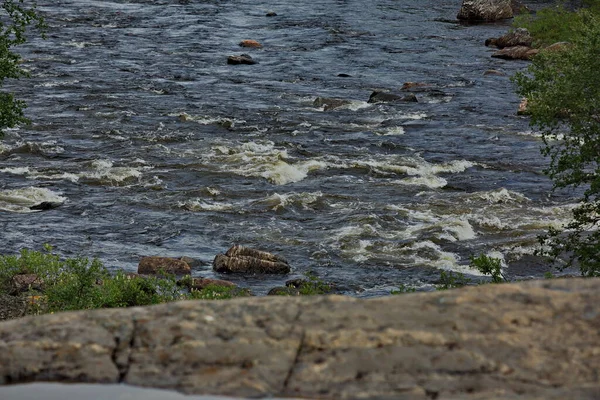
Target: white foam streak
{"points": [[19, 200]]}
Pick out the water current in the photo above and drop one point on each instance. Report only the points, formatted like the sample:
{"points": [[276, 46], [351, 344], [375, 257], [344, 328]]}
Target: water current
{"points": [[156, 146]]}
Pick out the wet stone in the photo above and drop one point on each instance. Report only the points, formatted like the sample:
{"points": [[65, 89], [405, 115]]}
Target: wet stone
{"points": [[156, 265], [241, 59], [239, 259]]}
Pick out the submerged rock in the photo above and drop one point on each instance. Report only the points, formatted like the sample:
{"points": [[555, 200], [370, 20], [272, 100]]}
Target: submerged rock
{"points": [[493, 72], [45, 205], [271, 14], [386, 97], [155, 265], [330, 103], [516, 53], [241, 59], [239, 259], [518, 37]]}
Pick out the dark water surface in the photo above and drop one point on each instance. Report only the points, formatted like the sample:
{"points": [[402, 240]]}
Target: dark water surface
{"points": [[158, 147]]}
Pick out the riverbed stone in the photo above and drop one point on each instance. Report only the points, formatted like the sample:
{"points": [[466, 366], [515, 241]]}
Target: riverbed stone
{"points": [[202, 283], [329, 103], [517, 37], [516, 53], [240, 259], [532, 340], [386, 97], [155, 265], [485, 10], [250, 43], [241, 59]]}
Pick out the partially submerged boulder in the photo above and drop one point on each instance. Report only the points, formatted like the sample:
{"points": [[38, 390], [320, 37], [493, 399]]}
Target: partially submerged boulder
{"points": [[517, 37], [241, 59], [379, 96], [485, 10], [240, 259], [250, 43], [156, 265], [329, 103], [516, 53]]}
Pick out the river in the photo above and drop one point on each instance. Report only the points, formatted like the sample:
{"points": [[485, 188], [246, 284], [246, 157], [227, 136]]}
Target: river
{"points": [[156, 146]]}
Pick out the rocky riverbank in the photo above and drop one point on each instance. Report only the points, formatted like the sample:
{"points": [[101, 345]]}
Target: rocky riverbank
{"points": [[538, 339]]}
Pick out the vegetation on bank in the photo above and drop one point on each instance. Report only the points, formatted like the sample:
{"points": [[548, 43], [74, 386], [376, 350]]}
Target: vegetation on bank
{"points": [[15, 19], [81, 284], [563, 92]]}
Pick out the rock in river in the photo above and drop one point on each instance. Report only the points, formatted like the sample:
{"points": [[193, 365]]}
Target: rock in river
{"points": [[241, 59], [518, 37], [239, 259], [329, 103], [386, 97], [485, 10], [155, 265], [250, 43]]}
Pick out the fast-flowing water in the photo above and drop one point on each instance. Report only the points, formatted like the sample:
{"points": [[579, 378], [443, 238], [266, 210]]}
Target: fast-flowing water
{"points": [[157, 146]]}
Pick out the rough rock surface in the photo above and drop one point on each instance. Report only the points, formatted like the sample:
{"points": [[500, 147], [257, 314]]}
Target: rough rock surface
{"points": [[202, 283], [517, 37], [240, 259], [241, 59], [485, 10], [250, 43], [534, 340], [11, 307], [386, 97], [329, 103], [154, 265], [23, 282], [516, 53]]}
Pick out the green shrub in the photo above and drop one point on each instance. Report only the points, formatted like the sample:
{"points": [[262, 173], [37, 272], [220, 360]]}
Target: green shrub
{"points": [[217, 292], [313, 285], [452, 280], [402, 289], [564, 103], [489, 266]]}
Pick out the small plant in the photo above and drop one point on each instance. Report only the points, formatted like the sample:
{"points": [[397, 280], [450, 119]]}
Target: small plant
{"points": [[549, 275], [489, 266], [452, 280], [402, 288], [313, 285], [217, 292]]}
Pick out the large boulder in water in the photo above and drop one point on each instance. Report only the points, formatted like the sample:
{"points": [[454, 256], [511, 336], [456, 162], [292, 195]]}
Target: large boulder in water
{"points": [[487, 10], [386, 97], [240, 259], [518, 37]]}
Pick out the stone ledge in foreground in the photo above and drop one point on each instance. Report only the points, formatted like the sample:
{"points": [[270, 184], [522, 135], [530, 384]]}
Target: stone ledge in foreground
{"points": [[538, 339]]}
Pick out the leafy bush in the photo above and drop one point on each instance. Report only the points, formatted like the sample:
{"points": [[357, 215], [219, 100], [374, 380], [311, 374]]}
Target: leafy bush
{"points": [[489, 266], [15, 19], [402, 289], [313, 285], [452, 280], [557, 24], [564, 102]]}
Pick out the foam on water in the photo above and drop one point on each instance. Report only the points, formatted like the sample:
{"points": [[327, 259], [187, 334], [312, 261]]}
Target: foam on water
{"points": [[283, 201], [105, 172], [20, 200]]}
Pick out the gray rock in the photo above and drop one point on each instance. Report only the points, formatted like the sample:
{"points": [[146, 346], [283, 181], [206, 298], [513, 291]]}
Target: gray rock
{"points": [[386, 97], [284, 291], [532, 340], [240, 259], [517, 37], [485, 10], [329, 103], [241, 59]]}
